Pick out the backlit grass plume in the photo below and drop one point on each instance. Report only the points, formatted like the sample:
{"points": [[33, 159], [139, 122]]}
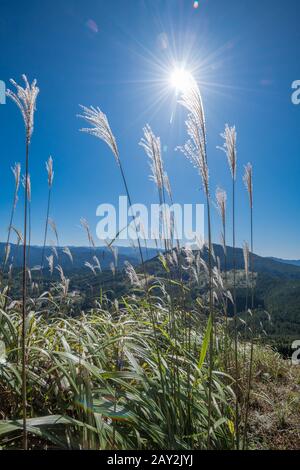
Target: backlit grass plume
{"points": [[195, 148], [248, 180], [246, 259], [100, 128], [221, 199], [152, 146], [229, 147], [25, 99]]}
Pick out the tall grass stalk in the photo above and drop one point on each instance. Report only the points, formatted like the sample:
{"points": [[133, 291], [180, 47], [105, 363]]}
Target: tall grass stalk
{"points": [[50, 174], [248, 180], [195, 149], [101, 129], [221, 200], [28, 186], [17, 175], [152, 146], [229, 147], [246, 267], [25, 99]]}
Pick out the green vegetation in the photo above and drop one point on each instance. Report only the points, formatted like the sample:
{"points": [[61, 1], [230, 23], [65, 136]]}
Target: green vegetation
{"points": [[169, 355]]}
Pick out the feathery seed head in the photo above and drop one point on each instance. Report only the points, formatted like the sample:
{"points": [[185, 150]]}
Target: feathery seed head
{"points": [[195, 148], [91, 267], [17, 174], [85, 225], [25, 99], [28, 186], [99, 128], [50, 260], [18, 234], [229, 147], [248, 180], [67, 252], [167, 184], [152, 147], [246, 258], [221, 198], [49, 168]]}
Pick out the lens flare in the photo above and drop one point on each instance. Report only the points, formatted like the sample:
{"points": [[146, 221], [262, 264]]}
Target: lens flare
{"points": [[180, 79]]}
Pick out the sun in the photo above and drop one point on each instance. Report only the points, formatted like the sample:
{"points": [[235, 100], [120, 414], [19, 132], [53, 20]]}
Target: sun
{"points": [[180, 79]]}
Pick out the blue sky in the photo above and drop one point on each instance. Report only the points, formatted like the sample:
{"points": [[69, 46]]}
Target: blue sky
{"points": [[118, 55]]}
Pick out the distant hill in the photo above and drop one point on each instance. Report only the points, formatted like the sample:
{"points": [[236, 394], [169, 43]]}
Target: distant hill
{"points": [[294, 262], [277, 287], [267, 265], [261, 265], [80, 256]]}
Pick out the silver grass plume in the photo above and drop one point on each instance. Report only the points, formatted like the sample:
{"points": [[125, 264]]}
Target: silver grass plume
{"points": [[65, 282], [29, 274], [99, 128], [9, 274], [112, 268], [246, 258], [17, 174], [167, 184], [195, 148], [54, 251], [54, 228], [97, 265], [115, 253], [85, 225], [152, 146], [189, 255], [248, 180], [18, 234], [133, 276], [50, 260], [229, 147], [25, 99], [7, 253], [50, 172], [91, 267], [28, 186], [221, 199], [67, 252]]}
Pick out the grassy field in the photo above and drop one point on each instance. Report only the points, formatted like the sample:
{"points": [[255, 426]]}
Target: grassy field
{"points": [[164, 365]]}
